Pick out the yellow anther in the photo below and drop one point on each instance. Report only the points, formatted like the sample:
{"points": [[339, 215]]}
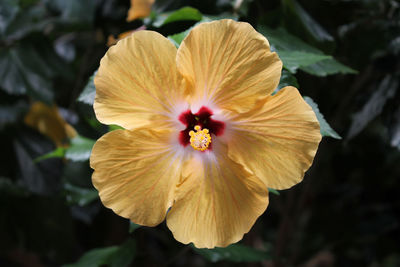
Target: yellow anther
{"points": [[201, 139]]}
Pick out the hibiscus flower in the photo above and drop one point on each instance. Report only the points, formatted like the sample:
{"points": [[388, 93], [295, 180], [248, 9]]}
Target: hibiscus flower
{"points": [[204, 137], [48, 121], [139, 9]]}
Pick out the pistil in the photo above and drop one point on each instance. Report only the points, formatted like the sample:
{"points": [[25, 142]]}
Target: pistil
{"points": [[201, 139]]}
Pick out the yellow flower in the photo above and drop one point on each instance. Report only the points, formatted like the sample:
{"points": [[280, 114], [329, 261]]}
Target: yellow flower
{"points": [[139, 9], [48, 121], [204, 136]]}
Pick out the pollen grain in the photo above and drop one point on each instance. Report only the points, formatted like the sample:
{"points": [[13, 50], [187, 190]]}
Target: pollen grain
{"points": [[201, 139]]}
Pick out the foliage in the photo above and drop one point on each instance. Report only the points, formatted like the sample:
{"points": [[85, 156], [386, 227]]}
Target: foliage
{"points": [[343, 55], [326, 130], [234, 252], [115, 256]]}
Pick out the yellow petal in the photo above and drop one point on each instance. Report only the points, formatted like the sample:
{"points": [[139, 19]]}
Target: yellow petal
{"points": [[217, 202], [276, 140], [135, 173], [230, 63], [139, 9], [48, 121], [137, 83]]}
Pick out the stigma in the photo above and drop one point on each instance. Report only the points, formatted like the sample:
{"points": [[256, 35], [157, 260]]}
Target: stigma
{"points": [[201, 139]]}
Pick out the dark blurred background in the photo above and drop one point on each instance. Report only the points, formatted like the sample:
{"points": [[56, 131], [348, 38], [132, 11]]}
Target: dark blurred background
{"points": [[344, 213]]}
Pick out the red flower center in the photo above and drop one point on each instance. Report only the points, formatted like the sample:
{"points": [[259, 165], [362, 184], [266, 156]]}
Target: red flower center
{"points": [[201, 118]]}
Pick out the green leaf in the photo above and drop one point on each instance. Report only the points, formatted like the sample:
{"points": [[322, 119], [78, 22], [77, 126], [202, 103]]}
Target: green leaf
{"points": [[185, 13], [133, 226], [375, 105], [114, 127], [234, 253], [125, 254], [274, 191], [79, 195], [80, 12], [282, 41], [18, 77], [38, 177], [325, 128], [28, 68], [114, 256], [8, 11], [95, 257], [80, 149], [301, 19], [328, 67], [89, 92], [287, 79], [292, 60], [173, 41], [178, 38], [32, 19], [209, 18], [11, 114], [59, 152], [93, 122]]}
